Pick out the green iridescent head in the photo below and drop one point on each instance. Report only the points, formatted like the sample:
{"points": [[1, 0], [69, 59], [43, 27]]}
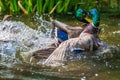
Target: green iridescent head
{"points": [[80, 15], [94, 14]]}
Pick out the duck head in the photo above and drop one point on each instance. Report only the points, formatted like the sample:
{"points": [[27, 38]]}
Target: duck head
{"points": [[82, 16], [92, 17], [95, 16]]}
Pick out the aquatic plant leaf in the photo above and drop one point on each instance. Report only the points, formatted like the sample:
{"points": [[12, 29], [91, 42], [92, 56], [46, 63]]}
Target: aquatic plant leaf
{"points": [[39, 4]]}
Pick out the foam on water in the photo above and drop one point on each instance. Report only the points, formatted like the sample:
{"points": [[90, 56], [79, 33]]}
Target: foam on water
{"points": [[15, 35]]}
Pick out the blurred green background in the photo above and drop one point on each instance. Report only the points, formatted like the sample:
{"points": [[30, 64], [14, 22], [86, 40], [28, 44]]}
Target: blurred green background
{"points": [[61, 6]]}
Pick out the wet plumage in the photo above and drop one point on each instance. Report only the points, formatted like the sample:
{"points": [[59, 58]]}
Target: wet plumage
{"points": [[86, 41]]}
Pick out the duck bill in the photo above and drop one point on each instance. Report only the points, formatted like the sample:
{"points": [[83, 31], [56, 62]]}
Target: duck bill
{"points": [[88, 20]]}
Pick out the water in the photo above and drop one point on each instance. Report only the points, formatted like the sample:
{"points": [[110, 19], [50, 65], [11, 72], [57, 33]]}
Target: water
{"points": [[16, 37]]}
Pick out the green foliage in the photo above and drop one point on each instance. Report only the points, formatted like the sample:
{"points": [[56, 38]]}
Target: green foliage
{"points": [[51, 5], [77, 4], [14, 6], [45, 6], [3, 4], [60, 7], [64, 6], [29, 6], [89, 4], [39, 4]]}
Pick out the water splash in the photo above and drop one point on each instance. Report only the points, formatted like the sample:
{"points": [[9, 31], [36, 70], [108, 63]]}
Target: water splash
{"points": [[15, 35]]}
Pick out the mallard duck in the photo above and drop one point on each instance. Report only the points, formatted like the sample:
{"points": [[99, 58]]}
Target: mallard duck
{"points": [[65, 32], [92, 16], [86, 41]]}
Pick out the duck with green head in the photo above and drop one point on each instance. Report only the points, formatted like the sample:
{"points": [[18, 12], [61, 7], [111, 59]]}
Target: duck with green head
{"points": [[64, 31], [85, 42], [91, 19]]}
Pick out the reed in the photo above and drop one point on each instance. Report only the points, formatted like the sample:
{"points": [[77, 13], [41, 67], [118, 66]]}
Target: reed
{"points": [[14, 6], [29, 6], [39, 4], [51, 5], [90, 4], [76, 4], [22, 8], [53, 9], [45, 6], [60, 7], [64, 6], [3, 5]]}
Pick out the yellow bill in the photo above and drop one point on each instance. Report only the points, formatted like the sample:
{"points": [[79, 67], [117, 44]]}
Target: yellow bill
{"points": [[88, 19]]}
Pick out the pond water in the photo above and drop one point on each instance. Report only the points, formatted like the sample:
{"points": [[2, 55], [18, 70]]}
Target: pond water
{"points": [[83, 69]]}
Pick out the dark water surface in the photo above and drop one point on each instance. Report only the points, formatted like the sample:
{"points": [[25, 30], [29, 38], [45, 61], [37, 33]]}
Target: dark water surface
{"points": [[86, 69]]}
